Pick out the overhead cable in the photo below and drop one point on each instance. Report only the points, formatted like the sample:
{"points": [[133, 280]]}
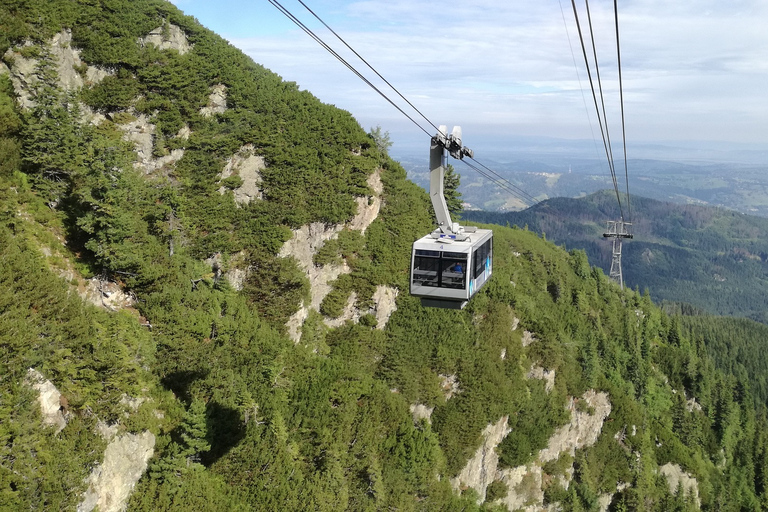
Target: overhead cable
{"points": [[621, 95], [341, 59], [369, 66], [525, 195], [597, 108], [491, 175], [503, 184]]}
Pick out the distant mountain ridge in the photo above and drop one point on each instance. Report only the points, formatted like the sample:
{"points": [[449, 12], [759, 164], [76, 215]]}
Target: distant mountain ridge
{"points": [[714, 258]]}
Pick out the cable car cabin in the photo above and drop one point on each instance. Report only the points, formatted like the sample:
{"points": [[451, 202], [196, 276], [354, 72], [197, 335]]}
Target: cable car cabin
{"points": [[446, 273]]}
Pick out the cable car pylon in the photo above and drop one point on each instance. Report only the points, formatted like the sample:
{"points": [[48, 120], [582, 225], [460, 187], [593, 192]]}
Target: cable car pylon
{"points": [[617, 230]]}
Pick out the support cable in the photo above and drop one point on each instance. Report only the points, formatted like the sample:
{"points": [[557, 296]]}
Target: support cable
{"points": [[503, 184], [621, 95], [597, 108], [578, 77], [600, 88], [341, 59], [491, 175], [525, 195], [370, 67]]}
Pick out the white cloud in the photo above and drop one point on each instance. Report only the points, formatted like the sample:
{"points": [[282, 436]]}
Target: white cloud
{"points": [[691, 70]]}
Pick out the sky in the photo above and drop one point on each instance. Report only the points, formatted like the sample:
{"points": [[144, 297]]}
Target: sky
{"points": [[692, 70]]}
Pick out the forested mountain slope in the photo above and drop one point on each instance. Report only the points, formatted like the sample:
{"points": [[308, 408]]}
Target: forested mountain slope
{"points": [[203, 295], [712, 258]]}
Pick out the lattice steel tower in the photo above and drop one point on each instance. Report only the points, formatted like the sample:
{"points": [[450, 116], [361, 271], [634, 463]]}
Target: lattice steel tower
{"points": [[617, 230]]}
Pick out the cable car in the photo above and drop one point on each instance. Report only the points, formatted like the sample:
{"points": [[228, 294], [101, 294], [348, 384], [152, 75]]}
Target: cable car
{"points": [[451, 264]]}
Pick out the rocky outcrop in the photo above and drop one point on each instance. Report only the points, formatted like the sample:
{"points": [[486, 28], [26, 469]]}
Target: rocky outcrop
{"points": [[67, 59], [421, 412], [305, 243], [247, 166], [350, 312], [167, 37], [24, 70], [384, 304], [528, 338], [302, 246], [106, 294], [141, 133], [450, 385], [368, 207], [217, 101], [548, 376], [583, 429], [49, 399], [481, 469], [525, 483], [676, 478], [23, 74], [111, 483]]}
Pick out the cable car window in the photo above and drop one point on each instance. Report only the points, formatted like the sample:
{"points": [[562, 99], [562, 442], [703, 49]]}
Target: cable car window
{"points": [[480, 257], [454, 272], [422, 252], [425, 270]]}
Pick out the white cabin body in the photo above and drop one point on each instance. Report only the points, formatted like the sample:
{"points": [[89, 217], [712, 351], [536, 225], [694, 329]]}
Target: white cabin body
{"points": [[446, 272]]}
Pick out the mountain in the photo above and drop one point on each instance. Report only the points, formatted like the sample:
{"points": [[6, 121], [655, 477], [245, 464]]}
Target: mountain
{"points": [[713, 258], [551, 168], [204, 306]]}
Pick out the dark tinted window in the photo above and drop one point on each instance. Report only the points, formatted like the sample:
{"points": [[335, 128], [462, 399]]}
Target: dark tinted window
{"points": [[425, 271]]}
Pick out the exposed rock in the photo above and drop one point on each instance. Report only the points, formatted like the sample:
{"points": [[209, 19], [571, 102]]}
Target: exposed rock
{"points": [[23, 74], [421, 412], [132, 403], [305, 243], [604, 501], [528, 338], [368, 207], [106, 294], [217, 101], [676, 476], [50, 400], [583, 429], [350, 313], [515, 323], [450, 385], [94, 74], [248, 166], [480, 470], [107, 431], [236, 277], [167, 37], [524, 483], [184, 133], [384, 300], [295, 323], [692, 405], [67, 59], [23, 71], [302, 246], [141, 133], [111, 483], [537, 372], [89, 116], [231, 271]]}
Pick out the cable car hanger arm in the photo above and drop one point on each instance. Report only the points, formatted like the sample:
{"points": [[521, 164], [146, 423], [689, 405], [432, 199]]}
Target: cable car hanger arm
{"points": [[442, 143]]}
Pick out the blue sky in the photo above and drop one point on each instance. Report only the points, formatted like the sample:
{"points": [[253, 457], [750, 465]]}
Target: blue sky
{"points": [[693, 70]]}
